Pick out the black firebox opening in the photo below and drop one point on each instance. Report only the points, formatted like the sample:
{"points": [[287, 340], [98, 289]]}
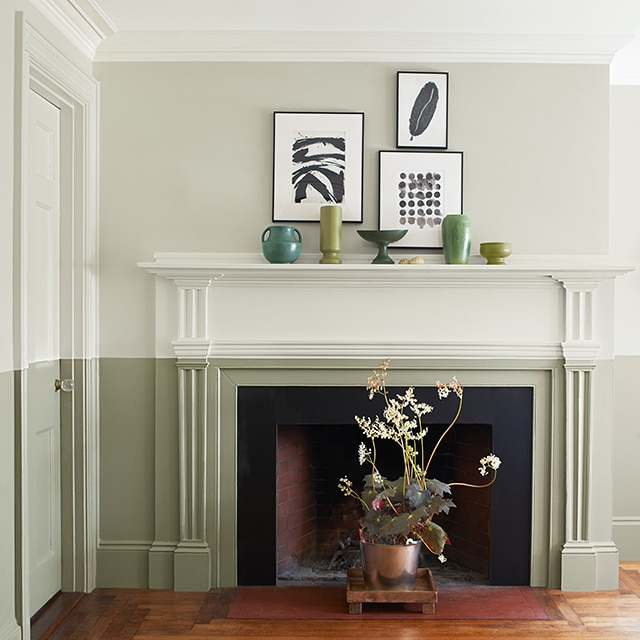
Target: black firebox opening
{"points": [[509, 411]]}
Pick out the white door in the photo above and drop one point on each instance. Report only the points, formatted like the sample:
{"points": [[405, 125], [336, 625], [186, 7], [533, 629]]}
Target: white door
{"points": [[43, 350]]}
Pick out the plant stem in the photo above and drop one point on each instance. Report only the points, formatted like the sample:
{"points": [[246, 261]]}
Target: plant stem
{"points": [[442, 437], [474, 486]]}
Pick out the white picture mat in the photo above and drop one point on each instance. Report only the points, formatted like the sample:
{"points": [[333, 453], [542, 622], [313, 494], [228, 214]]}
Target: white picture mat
{"points": [[409, 86], [392, 164]]}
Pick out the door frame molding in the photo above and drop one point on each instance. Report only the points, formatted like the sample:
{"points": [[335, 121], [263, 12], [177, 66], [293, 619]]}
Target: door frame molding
{"points": [[42, 67]]}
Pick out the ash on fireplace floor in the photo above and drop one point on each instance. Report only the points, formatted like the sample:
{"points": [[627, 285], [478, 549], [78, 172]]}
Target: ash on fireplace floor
{"points": [[316, 571]]}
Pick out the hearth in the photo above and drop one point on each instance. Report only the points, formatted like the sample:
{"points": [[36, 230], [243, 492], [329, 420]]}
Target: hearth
{"points": [[491, 531]]}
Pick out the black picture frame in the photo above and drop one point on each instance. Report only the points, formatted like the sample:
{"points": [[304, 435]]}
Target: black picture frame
{"points": [[422, 110], [318, 159]]}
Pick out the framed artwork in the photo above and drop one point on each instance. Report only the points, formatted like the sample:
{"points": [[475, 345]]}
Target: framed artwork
{"points": [[423, 112], [417, 190], [317, 160]]}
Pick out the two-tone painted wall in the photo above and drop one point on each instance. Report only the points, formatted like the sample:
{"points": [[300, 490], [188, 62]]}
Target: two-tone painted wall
{"points": [[625, 245], [186, 157], [186, 166]]}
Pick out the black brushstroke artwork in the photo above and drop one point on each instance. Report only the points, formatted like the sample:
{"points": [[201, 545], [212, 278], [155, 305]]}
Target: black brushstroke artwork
{"points": [[319, 163], [423, 109]]}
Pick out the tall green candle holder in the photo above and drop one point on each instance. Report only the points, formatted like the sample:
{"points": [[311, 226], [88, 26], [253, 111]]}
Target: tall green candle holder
{"points": [[330, 234]]}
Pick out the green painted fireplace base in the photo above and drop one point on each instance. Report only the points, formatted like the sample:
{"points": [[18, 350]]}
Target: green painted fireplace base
{"points": [[192, 568], [589, 567], [139, 503]]}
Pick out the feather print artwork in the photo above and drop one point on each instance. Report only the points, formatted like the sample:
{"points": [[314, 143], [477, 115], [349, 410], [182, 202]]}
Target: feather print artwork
{"points": [[424, 107]]}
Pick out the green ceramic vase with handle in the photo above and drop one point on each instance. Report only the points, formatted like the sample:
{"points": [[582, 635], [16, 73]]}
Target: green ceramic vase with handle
{"points": [[281, 244]]}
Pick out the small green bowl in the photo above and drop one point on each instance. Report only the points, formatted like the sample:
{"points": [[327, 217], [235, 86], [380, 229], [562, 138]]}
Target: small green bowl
{"points": [[495, 252]]}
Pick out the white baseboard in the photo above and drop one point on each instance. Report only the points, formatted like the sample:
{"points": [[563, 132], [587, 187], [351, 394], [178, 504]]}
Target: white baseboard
{"points": [[626, 534], [10, 631]]}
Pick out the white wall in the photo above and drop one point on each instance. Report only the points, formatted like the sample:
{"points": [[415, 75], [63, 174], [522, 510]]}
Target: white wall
{"points": [[187, 156], [625, 212]]}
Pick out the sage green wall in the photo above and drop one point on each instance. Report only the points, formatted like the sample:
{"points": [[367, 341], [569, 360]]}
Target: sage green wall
{"points": [[137, 430], [186, 161], [626, 498], [127, 445], [8, 627]]}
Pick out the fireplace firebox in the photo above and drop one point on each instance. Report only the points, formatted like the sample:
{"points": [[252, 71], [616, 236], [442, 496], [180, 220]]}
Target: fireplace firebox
{"points": [[499, 517]]}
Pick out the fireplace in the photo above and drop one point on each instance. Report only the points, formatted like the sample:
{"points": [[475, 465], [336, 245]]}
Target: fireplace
{"points": [[542, 323], [506, 411]]}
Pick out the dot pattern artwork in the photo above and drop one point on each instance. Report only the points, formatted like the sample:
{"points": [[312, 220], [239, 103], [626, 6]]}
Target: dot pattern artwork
{"points": [[420, 198]]}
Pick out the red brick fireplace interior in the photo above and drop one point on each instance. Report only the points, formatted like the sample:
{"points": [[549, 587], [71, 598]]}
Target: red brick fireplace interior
{"points": [[314, 520]]}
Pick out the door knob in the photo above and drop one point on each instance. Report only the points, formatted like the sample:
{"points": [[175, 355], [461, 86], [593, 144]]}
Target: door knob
{"points": [[66, 385]]}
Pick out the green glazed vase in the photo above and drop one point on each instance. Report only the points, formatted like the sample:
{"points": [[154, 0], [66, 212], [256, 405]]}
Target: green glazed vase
{"points": [[281, 244], [456, 238]]}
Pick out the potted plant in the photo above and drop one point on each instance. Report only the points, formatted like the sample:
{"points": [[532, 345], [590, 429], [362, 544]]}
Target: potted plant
{"points": [[398, 513]]}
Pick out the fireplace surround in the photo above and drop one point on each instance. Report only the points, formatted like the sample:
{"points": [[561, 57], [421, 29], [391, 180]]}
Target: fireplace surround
{"points": [[540, 322]]}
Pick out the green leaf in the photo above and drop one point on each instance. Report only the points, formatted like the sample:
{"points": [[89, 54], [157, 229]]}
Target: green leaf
{"points": [[441, 505], [434, 537], [406, 522], [417, 497], [437, 487], [375, 522]]}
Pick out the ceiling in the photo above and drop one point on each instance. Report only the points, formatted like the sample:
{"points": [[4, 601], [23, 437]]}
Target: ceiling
{"points": [[457, 16], [140, 29]]}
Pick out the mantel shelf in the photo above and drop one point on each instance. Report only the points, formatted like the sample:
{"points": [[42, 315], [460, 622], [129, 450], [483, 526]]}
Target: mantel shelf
{"points": [[222, 269]]}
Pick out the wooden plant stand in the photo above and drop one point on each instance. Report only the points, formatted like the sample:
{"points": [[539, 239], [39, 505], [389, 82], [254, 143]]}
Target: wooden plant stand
{"points": [[424, 592]]}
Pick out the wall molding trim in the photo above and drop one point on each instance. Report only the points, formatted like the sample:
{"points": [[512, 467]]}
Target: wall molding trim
{"points": [[626, 534], [354, 46], [82, 22], [42, 68]]}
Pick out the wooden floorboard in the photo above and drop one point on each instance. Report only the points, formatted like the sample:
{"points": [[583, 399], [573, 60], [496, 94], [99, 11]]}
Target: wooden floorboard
{"points": [[141, 614]]}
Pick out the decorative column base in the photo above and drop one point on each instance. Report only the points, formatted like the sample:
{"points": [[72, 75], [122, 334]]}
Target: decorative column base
{"points": [[161, 565], [192, 567], [589, 566]]}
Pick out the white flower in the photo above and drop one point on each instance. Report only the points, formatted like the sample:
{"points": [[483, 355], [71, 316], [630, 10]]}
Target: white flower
{"points": [[443, 389], [492, 461], [363, 453], [345, 485], [442, 558], [420, 408]]}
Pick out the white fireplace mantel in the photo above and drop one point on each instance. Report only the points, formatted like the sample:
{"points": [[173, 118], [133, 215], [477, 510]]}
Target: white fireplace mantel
{"points": [[536, 314], [312, 310], [358, 271]]}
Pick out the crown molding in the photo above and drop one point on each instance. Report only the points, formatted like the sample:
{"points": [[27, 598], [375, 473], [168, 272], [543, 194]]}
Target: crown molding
{"points": [[625, 67], [318, 46], [82, 22]]}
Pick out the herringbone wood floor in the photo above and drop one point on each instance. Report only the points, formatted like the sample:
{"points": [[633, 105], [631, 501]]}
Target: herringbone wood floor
{"points": [[123, 614]]}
